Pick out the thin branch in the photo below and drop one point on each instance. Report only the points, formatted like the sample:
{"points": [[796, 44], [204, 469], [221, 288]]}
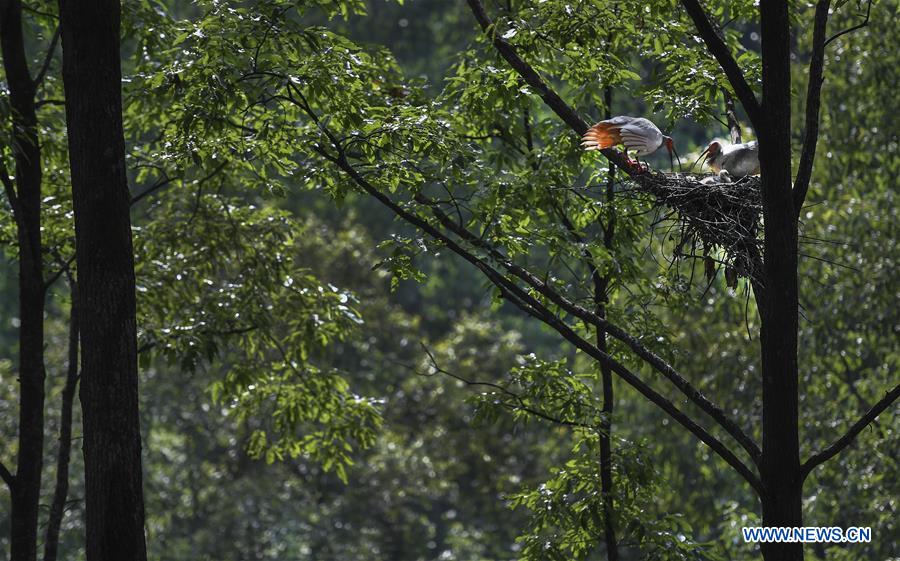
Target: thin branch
{"points": [[519, 401], [42, 102], [734, 127], [533, 79], [167, 180], [813, 103], [11, 195], [35, 11], [857, 27], [64, 267], [61, 491], [152, 189], [48, 58], [845, 440], [719, 50], [7, 477], [224, 333]]}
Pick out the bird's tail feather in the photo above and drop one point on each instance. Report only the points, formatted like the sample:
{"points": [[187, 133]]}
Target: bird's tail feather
{"points": [[600, 136]]}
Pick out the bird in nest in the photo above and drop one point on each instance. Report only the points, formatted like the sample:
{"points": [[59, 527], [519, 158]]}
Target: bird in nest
{"points": [[636, 134], [738, 160]]}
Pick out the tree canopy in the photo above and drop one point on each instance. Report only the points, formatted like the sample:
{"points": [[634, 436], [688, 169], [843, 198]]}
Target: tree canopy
{"points": [[388, 308]]}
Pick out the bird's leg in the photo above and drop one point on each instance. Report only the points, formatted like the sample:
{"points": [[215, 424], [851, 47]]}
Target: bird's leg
{"points": [[634, 164], [640, 166]]}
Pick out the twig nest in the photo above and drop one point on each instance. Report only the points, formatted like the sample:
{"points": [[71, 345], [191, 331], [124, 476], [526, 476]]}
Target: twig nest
{"points": [[713, 212]]}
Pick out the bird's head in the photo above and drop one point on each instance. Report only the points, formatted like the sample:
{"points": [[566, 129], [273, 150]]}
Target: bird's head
{"points": [[670, 146], [711, 153]]}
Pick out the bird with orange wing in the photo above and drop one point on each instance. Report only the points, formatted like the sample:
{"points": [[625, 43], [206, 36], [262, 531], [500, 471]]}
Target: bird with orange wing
{"points": [[635, 134]]}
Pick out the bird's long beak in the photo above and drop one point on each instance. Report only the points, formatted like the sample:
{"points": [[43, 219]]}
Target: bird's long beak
{"points": [[676, 158], [703, 155]]}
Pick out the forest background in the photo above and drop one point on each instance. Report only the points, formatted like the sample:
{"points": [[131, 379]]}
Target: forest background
{"points": [[319, 381]]}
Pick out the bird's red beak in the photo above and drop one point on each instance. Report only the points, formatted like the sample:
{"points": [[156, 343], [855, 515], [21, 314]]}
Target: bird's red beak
{"points": [[670, 145]]}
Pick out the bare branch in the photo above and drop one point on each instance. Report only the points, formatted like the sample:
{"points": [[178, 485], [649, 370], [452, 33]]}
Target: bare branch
{"points": [[857, 27], [845, 440], [719, 50], [813, 103], [533, 79], [48, 58]]}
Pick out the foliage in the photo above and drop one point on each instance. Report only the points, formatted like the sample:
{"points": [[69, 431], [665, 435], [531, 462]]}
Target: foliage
{"points": [[267, 311]]}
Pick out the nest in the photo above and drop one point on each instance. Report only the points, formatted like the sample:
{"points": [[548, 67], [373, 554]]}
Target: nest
{"points": [[717, 221]]}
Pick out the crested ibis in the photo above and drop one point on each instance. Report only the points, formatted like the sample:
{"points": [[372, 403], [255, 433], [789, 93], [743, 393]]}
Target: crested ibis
{"points": [[738, 160], [637, 134]]}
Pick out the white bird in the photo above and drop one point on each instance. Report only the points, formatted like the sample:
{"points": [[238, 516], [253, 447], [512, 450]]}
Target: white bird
{"points": [[738, 160], [637, 134]]}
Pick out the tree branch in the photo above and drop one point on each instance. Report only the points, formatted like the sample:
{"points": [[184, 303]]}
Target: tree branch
{"points": [[64, 267], [519, 401], [813, 103], [857, 27], [734, 127], [844, 441], [533, 79], [166, 180], [719, 50], [64, 453], [48, 58], [10, 190], [7, 477]]}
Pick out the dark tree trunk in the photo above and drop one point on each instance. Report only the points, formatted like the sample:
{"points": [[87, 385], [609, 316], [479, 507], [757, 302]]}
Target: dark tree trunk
{"points": [[61, 493], [109, 383], [601, 298], [25, 198], [780, 466]]}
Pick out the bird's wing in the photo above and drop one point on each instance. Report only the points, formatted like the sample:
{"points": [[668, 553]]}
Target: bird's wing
{"points": [[742, 159], [641, 136], [622, 120], [604, 134], [753, 146], [635, 133]]}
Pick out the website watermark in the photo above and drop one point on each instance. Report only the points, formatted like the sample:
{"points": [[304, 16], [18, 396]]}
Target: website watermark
{"points": [[807, 534]]}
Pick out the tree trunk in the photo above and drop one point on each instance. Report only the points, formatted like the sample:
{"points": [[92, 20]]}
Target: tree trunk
{"points": [[61, 493], [25, 200], [780, 465], [109, 383], [601, 298]]}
